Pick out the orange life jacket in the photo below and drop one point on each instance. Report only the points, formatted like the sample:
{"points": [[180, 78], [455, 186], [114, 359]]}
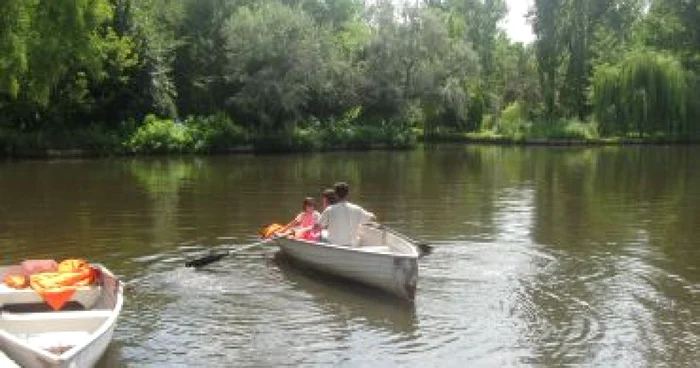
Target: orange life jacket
{"points": [[58, 287], [16, 281], [270, 230]]}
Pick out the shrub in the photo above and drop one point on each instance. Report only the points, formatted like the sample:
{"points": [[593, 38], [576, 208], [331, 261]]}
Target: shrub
{"points": [[565, 129], [214, 133], [512, 122], [159, 136]]}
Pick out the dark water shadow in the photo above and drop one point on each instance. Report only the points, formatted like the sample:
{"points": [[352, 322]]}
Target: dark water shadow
{"points": [[349, 300]]}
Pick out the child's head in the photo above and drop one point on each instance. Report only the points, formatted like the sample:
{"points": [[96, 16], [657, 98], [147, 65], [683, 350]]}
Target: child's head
{"points": [[329, 197], [308, 205]]}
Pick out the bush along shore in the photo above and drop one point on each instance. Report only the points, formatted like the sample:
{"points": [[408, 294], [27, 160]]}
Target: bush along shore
{"points": [[201, 135], [218, 134]]}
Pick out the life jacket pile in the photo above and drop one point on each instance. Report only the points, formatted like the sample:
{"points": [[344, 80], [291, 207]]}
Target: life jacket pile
{"points": [[56, 286]]}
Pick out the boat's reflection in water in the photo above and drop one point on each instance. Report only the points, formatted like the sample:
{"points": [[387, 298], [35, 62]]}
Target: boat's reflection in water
{"points": [[348, 300]]}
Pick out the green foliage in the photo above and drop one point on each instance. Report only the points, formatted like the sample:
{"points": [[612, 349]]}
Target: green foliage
{"points": [[548, 46], [646, 93], [355, 137], [215, 133], [565, 129], [513, 120], [43, 41], [159, 136], [672, 25], [573, 37], [95, 138], [275, 58], [318, 74], [153, 25], [475, 114]]}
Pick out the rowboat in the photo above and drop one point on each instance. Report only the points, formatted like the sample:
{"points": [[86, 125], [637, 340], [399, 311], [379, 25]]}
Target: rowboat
{"points": [[378, 258], [33, 335]]}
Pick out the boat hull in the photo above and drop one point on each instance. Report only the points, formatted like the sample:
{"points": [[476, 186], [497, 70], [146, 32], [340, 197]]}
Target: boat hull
{"points": [[101, 322], [396, 274]]}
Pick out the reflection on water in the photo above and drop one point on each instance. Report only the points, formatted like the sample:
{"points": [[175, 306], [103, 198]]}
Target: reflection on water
{"points": [[544, 256]]}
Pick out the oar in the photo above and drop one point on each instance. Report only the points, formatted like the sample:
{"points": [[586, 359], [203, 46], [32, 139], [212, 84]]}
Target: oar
{"points": [[267, 232], [214, 257], [423, 247]]}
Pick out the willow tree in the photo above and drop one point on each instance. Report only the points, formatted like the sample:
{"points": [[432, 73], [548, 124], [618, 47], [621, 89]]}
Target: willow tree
{"points": [[42, 41], [647, 93], [14, 31], [62, 63]]}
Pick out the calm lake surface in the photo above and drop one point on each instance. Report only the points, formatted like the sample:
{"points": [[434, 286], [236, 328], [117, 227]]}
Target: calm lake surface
{"points": [[544, 257]]}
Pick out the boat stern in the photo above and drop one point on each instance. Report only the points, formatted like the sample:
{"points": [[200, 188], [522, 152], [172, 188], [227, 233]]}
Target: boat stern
{"points": [[406, 276]]}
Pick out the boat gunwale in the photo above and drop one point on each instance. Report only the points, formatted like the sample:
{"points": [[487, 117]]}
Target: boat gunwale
{"points": [[358, 249]]}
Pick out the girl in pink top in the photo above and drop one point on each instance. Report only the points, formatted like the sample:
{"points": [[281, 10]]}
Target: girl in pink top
{"points": [[303, 225]]}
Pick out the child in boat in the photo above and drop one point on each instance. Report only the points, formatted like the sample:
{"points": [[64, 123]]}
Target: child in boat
{"points": [[303, 224], [328, 198]]}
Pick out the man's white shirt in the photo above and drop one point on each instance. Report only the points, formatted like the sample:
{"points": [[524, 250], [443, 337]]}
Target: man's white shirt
{"points": [[342, 221]]}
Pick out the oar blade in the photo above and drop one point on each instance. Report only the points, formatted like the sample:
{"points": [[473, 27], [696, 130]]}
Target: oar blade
{"points": [[424, 249], [206, 260]]}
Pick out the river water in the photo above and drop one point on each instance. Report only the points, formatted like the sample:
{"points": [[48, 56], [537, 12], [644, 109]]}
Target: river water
{"points": [[543, 257]]}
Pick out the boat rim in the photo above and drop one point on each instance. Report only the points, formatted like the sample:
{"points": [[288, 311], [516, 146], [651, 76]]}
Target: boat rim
{"points": [[414, 251]]}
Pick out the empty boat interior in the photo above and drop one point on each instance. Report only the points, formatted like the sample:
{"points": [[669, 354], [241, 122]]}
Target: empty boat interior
{"points": [[378, 240]]}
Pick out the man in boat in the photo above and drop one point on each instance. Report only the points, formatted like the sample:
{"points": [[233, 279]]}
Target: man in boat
{"points": [[343, 219]]}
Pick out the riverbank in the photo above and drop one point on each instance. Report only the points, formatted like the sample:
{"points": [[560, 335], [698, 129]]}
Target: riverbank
{"points": [[253, 149], [487, 138], [218, 135]]}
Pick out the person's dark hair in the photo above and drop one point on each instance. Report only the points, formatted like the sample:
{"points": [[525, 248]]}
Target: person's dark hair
{"points": [[341, 190], [308, 201], [330, 196]]}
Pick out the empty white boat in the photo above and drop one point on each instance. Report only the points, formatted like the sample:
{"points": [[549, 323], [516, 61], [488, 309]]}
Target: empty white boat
{"points": [[379, 258], [33, 335]]}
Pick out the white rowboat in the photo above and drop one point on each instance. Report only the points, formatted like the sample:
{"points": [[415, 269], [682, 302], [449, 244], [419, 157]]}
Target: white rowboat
{"points": [[33, 336], [379, 258]]}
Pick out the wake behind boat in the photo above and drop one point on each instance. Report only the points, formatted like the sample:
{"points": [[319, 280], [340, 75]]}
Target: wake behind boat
{"points": [[379, 258], [77, 335]]}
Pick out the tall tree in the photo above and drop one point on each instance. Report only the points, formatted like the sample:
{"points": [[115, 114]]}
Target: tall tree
{"points": [[275, 59], [674, 25], [547, 31]]}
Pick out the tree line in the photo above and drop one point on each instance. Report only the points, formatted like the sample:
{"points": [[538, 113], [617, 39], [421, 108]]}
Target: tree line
{"points": [[204, 74]]}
